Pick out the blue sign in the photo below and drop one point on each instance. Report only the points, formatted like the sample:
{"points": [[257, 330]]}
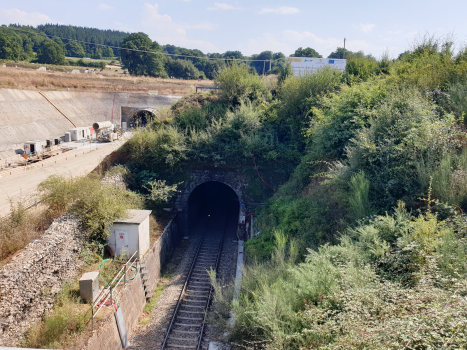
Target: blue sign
{"points": [[331, 61]]}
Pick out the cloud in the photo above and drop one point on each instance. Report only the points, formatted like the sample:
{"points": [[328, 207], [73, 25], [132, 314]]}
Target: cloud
{"points": [[222, 6], [201, 26], [104, 7], [365, 28], [284, 10], [10, 16], [163, 29]]}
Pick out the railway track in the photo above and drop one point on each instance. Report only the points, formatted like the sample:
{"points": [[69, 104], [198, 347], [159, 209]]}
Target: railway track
{"points": [[187, 326]]}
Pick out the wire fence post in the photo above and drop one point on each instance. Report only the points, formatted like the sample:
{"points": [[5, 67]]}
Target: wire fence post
{"points": [[92, 317], [124, 275]]}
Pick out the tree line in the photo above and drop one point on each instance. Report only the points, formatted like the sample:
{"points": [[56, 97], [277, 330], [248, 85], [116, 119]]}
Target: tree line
{"points": [[52, 43]]}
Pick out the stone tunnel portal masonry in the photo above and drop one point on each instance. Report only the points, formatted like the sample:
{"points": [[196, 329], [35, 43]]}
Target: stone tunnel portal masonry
{"points": [[212, 192]]}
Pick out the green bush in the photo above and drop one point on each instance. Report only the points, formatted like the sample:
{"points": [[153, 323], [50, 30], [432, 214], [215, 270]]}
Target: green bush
{"points": [[164, 147], [403, 130], [297, 95], [237, 85], [97, 205]]}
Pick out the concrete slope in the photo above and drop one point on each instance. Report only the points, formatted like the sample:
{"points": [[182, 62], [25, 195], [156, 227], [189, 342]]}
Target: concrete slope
{"points": [[21, 185], [28, 115]]}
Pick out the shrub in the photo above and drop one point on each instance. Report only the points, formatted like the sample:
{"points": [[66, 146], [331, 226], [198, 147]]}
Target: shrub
{"points": [[164, 147], [403, 130], [97, 205], [340, 115], [237, 85], [297, 95]]}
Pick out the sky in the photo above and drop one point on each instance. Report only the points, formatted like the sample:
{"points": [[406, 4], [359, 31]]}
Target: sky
{"points": [[255, 26]]}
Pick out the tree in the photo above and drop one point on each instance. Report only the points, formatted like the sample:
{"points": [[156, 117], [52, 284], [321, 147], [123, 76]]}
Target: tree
{"points": [[339, 53], [74, 49], [142, 63], [308, 52], [10, 49], [232, 54], [60, 43], [108, 52], [50, 52], [183, 69]]}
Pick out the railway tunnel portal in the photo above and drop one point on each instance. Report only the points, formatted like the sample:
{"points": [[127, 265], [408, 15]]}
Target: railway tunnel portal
{"points": [[214, 202], [216, 193]]}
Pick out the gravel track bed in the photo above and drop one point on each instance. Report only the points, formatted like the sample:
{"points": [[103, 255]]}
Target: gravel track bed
{"points": [[151, 336]]}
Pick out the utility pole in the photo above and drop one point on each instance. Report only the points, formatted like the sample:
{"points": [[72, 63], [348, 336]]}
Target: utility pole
{"points": [[344, 48]]}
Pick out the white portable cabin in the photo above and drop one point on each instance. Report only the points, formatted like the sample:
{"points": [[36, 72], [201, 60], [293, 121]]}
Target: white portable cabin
{"points": [[131, 234], [32, 147], [81, 133]]}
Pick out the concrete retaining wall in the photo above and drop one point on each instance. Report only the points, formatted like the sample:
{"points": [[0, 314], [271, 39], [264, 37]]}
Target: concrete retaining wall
{"points": [[27, 115], [132, 298]]}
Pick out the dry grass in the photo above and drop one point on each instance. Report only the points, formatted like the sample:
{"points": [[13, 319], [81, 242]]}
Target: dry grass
{"points": [[19, 228], [109, 80]]}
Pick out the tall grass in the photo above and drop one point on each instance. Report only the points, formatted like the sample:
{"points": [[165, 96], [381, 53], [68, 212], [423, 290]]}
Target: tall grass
{"points": [[359, 196], [62, 324], [20, 227]]}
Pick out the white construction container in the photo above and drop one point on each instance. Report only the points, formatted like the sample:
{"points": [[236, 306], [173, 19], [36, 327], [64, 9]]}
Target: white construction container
{"points": [[32, 147], [131, 234], [81, 133]]}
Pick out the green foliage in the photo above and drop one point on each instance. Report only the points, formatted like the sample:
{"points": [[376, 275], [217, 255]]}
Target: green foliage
{"points": [[308, 52], [159, 192], [360, 69], [359, 203], [431, 65], [162, 148], [284, 72], [83, 63], [340, 115], [366, 292], [10, 49], [237, 85], [64, 319], [74, 49], [182, 69], [298, 94], [97, 205], [51, 53], [403, 130], [142, 63]]}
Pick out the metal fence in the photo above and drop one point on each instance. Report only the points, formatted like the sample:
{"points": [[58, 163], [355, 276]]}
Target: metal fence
{"points": [[105, 297]]}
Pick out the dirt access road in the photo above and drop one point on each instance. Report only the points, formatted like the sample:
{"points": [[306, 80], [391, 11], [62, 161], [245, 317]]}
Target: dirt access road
{"points": [[21, 185]]}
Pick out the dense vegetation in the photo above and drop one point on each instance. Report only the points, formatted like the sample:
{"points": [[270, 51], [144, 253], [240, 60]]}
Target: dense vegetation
{"points": [[364, 246]]}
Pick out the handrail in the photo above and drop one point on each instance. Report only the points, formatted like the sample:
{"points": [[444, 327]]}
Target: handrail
{"points": [[106, 293]]}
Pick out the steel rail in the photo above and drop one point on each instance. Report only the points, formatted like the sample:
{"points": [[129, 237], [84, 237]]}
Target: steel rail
{"points": [[187, 282], [208, 302], [182, 293]]}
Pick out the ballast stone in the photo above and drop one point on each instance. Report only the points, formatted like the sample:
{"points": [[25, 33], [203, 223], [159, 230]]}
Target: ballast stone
{"points": [[29, 283]]}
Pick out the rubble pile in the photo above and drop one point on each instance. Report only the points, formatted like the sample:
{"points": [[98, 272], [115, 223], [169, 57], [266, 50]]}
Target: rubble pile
{"points": [[29, 283]]}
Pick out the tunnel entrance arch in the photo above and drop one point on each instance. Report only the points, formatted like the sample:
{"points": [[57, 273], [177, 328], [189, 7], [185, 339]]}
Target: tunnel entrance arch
{"points": [[142, 117], [214, 200], [233, 179]]}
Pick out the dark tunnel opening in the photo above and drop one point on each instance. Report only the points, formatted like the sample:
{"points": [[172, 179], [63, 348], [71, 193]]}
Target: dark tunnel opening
{"points": [[141, 118], [216, 203]]}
